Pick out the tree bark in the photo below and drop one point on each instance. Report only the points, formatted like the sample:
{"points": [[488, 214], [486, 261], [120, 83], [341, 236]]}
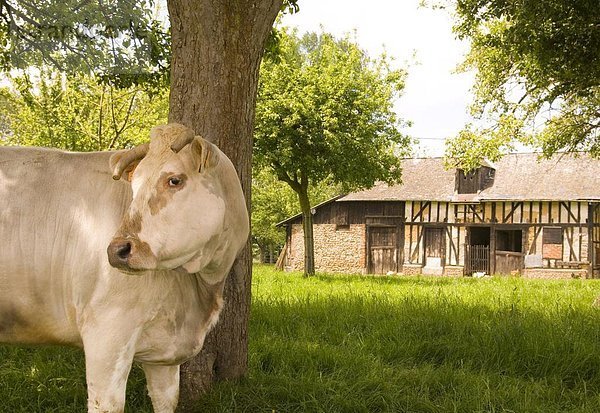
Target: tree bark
{"points": [[307, 227], [217, 46]]}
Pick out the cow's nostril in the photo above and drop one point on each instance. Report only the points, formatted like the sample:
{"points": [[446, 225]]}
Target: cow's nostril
{"points": [[119, 252], [124, 250]]}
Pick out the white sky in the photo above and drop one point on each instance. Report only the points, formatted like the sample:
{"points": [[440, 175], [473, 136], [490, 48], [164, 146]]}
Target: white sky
{"points": [[420, 39]]}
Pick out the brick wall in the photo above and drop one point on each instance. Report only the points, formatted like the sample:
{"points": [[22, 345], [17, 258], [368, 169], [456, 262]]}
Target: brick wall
{"points": [[552, 251], [336, 250]]}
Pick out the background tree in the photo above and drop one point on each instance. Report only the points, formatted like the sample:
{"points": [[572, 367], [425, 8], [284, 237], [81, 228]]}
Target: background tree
{"points": [[122, 40], [537, 76], [79, 113], [325, 112], [273, 201]]}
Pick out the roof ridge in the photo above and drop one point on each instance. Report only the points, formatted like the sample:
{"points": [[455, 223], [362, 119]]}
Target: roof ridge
{"points": [[506, 154]]}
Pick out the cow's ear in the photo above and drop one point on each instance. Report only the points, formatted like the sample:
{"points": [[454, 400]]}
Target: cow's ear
{"points": [[128, 172], [122, 163], [205, 155]]}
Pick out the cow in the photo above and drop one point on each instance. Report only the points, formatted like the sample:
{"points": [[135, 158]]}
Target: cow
{"points": [[124, 254]]}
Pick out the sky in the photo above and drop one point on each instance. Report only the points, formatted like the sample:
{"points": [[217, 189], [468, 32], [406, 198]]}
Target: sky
{"points": [[420, 39]]}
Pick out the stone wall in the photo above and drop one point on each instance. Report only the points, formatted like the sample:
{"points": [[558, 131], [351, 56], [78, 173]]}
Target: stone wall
{"points": [[412, 269], [554, 273], [454, 271], [337, 249], [295, 252]]}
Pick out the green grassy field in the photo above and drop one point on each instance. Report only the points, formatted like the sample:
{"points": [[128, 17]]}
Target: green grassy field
{"points": [[377, 344]]}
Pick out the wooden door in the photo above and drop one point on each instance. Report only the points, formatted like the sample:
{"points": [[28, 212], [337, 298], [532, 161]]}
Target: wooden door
{"points": [[383, 250], [509, 262], [509, 254], [434, 246]]}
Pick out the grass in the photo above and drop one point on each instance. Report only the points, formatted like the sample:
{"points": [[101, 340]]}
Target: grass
{"points": [[336, 343]]}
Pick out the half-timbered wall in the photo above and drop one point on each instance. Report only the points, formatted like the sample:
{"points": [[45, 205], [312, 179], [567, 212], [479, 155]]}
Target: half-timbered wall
{"points": [[551, 234], [526, 212], [515, 212], [533, 218]]}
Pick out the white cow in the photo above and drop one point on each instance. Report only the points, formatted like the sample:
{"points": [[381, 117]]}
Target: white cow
{"points": [[172, 226]]}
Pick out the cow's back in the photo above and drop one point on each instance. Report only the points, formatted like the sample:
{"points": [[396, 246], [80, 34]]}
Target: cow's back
{"points": [[58, 212]]}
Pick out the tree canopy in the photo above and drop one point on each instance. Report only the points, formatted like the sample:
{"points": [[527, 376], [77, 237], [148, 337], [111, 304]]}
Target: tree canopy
{"points": [[537, 68], [325, 112], [78, 113], [123, 40]]}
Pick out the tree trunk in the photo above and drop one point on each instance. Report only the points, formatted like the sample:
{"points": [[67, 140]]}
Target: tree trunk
{"points": [[307, 227], [217, 46], [263, 254]]}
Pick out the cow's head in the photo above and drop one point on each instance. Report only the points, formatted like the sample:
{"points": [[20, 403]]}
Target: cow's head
{"points": [[177, 211]]}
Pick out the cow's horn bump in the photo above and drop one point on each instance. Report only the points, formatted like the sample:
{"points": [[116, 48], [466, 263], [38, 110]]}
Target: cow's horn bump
{"points": [[182, 136]]}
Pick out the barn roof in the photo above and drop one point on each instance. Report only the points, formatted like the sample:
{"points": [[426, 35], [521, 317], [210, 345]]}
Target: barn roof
{"points": [[518, 177], [294, 217]]}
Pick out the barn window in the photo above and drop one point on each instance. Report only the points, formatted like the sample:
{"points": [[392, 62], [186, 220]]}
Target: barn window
{"points": [[552, 235], [474, 181], [341, 217], [552, 243], [468, 183], [509, 240]]}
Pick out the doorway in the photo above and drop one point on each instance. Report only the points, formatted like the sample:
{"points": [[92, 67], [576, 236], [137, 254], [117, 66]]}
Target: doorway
{"points": [[434, 251], [477, 254], [383, 249], [509, 251]]}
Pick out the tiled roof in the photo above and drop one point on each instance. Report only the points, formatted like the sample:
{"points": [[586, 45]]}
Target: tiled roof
{"points": [[518, 177]]}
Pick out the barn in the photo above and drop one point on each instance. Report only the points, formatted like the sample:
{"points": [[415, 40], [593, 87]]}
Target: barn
{"points": [[522, 215]]}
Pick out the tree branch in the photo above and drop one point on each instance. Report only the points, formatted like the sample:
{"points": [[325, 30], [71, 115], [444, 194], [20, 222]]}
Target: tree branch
{"points": [[283, 176]]}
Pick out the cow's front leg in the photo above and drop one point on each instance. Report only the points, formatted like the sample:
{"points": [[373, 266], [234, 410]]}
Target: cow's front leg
{"points": [[108, 359], [163, 386]]}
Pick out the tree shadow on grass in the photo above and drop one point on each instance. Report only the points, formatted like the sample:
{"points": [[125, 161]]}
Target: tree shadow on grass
{"points": [[387, 279], [426, 353]]}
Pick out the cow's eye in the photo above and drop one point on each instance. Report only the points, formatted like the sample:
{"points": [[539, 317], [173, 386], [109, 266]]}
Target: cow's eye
{"points": [[175, 181]]}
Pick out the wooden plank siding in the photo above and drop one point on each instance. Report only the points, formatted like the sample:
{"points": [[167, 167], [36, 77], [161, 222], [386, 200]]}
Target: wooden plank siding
{"points": [[355, 212]]}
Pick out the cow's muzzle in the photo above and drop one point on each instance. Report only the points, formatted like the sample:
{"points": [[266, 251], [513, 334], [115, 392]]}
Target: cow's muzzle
{"points": [[119, 250], [130, 255]]}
